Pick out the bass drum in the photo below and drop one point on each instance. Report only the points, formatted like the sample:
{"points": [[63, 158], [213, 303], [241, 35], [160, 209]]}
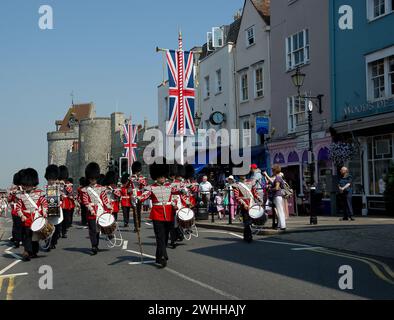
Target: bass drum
{"points": [[186, 218], [258, 215]]}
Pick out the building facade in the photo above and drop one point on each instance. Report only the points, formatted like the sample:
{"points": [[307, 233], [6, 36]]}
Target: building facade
{"points": [[252, 70], [363, 93], [300, 39]]}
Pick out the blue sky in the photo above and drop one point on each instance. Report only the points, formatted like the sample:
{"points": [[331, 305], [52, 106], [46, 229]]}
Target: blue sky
{"points": [[103, 50]]}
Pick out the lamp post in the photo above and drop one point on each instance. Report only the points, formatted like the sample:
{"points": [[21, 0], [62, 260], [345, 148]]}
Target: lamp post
{"points": [[298, 79]]}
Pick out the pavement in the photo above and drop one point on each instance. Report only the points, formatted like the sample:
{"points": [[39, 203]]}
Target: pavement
{"points": [[367, 235], [217, 265]]}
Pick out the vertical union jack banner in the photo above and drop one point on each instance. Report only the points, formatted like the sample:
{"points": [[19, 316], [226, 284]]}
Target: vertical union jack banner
{"points": [[129, 141], [181, 91]]}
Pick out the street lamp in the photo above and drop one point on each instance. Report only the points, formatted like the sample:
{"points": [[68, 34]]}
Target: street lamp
{"points": [[298, 79]]}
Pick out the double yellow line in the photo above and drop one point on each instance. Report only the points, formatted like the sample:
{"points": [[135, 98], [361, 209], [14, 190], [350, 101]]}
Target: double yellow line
{"points": [[10, 288], [387, 275]]}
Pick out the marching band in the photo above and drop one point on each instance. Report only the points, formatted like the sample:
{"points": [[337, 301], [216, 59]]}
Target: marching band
{"points": [[42, 217]]}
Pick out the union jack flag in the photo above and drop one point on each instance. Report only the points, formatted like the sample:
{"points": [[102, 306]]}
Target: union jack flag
{"points": [[129, 141], [181, 91]]}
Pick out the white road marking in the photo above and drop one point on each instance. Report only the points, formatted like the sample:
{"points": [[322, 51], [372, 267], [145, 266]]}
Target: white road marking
{"points": [[141, 263], [306, 249], [125, 243], [201, 284], [286, 243], [9, 267], [221, 232], [148, 224], [13, 275]]}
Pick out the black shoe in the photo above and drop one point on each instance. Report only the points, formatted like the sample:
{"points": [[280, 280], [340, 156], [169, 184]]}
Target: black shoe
{"points": [[173, 245], [25, 258], [352, 219], [52, 247], [16, 245], [126, 225], [94, 251], [344, 219], [64, 236], [33, 256], [163, 263]]}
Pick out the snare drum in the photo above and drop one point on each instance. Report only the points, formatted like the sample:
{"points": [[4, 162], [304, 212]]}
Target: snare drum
{"points": [[186, 218], [258, 216], [42, 228], [107, 224]]}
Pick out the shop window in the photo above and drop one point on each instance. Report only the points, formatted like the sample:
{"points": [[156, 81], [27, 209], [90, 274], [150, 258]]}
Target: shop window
{"points": [[380, 157]]}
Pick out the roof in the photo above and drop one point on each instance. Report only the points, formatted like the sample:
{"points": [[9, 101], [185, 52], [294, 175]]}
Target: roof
{"points": [[263, 7], [231, 35], [80, 112]]}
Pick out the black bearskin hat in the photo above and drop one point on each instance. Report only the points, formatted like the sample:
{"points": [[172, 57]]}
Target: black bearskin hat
{"points": [[180, 170], [52, 172], [111, 178], [63, 173], [125, 178], [92, 171], [29, 178], [159, 169], [136, 167], [189, 171], [82, 182], [70, 180], [17, 178]]}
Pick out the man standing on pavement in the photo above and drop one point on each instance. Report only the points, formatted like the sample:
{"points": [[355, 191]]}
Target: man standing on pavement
{"points": [[346, 194]]}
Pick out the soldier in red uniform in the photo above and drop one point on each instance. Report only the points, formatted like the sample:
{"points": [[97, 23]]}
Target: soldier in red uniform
{"points": [[13, 198], [83, 211], [113, 192], [126, 199], [96, 201], [31, 203], [246, 195], [52, 177], [67, 200], [137, 183], [191, 185], [162, 213]]}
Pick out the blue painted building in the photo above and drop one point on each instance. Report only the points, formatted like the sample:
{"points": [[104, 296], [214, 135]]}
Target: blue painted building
{"points": [[362, 89]]}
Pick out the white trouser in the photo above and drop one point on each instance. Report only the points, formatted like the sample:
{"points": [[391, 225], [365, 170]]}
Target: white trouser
{"points": [[279, 205]]}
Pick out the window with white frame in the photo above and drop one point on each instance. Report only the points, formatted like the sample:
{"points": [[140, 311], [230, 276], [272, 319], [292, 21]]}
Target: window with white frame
{"points": [[246, 133], [297, 49], [259, 81], [381, 77], [244, 86], [379, 8], [250, 36], [207, 87], [219, 87], [297, 112]]}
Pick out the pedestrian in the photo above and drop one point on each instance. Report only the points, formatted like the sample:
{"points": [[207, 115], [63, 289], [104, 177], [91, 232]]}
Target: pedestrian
{"points": [[96, 201], [285, 200], [205, 189], [229, 197], [219, 200], [277, 185], [345, 188], [72, 202], [31, 204]]}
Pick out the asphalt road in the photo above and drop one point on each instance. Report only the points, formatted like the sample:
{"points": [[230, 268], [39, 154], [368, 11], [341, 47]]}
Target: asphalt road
{"points": [[216, 266]]}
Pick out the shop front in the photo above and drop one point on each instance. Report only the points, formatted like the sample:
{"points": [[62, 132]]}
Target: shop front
{"points": [[293, 157]]}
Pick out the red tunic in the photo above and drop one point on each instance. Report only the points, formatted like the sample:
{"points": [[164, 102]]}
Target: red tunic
{"points": [[68, 197], [25, 208], [92, 203], [245, 192], [161, 196], [138, 183], [114, 194], [13, 200], [125, 196]]}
